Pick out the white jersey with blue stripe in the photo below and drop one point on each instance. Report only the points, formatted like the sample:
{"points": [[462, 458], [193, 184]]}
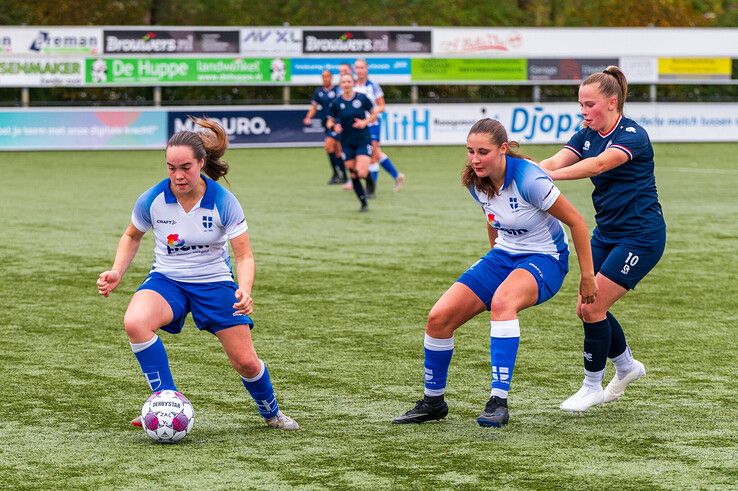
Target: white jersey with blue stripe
{"points": [[518, 212], [373, 91], [191, 246]]}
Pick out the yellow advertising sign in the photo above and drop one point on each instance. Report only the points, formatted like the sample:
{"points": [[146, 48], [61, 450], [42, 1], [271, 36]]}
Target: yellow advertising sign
{"points": [[702, 68]]}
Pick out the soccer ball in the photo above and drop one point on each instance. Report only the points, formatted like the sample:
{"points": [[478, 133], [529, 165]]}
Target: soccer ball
{"points": [[167, 416]]}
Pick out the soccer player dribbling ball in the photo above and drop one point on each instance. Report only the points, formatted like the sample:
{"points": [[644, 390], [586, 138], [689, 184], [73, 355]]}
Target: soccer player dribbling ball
{"points": [[526, 266], [629, 239], [193, 219]]}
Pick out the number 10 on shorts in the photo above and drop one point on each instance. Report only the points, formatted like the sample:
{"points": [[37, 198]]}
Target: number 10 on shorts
{"points": [[630, 261]]}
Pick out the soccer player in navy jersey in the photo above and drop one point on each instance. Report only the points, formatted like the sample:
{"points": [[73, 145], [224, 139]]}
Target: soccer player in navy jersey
{"points": [[526, 266], [629, 239], [349, 115], [193, 219], [375, 94], [322, 98]]}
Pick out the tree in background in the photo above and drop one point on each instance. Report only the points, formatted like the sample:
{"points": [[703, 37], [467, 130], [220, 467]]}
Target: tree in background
{"points": [[523, 13]]}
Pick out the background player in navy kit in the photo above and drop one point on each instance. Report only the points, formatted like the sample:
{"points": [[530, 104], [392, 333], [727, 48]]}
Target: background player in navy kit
{"points": [[376, 95], [630, 236], [193, 218], [526, 266], [322, 98], [349, 115]]}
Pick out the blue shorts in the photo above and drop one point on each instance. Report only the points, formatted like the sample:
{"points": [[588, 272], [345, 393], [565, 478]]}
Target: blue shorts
{"points": [[211, 304], [350, 151], [627, 261], [375, 130], [486, 275]]}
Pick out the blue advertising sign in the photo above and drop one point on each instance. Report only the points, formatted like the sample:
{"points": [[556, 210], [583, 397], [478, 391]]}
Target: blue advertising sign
{"points": [[308, 70], [253, 127]]}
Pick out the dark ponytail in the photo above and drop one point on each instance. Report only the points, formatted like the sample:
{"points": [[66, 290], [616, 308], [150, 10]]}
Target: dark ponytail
{"points": [[612, 82], [210, 144]]}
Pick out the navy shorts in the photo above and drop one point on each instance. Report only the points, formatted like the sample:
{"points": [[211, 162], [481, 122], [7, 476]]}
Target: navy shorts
{"points": [[627, 261], [211, 304], [331, 134], [350, 151], [375, 130], [486, 275]]}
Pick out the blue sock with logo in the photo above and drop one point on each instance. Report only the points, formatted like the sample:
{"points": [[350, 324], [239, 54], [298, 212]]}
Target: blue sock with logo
{"points": [[596, 347], [437, 358], [154, 362], [504, 339], [374, 171], [261, 390], [387, 165]]}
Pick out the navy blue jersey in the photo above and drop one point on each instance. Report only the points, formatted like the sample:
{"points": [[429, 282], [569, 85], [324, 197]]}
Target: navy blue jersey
{"points": [[625, 199], [345, 112], [322, 98]]}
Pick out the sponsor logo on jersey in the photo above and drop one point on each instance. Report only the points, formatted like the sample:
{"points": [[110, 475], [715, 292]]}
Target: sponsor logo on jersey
{"points": [[175, 244], [167, 222], [173, 240], [497, 226], [630, 129]]}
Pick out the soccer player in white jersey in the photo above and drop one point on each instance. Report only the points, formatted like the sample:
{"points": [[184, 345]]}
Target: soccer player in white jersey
{"points": [[193, 218], [375, 94], [526, 266]]}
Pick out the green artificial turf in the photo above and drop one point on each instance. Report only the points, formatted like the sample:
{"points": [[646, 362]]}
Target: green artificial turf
{"points": [[341, 300]]}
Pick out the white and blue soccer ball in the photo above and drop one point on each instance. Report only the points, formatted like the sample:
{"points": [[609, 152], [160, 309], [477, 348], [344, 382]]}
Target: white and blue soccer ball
{"points": [[167, 416]]}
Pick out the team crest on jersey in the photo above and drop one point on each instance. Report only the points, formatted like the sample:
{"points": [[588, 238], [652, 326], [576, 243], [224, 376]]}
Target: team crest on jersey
{"points": [[331, 94], [207, 222], [343, 106], [356, 103], [514, 203], [586, 145], [630, 129]]}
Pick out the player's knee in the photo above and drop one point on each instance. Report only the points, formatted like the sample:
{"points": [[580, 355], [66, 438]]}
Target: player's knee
{"points": [[590, 313], [503, 305], [328, 146], [438, 325], [138, 327], [246, 363]]}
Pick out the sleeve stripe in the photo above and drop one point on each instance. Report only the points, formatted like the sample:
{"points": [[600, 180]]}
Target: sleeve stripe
{"points": [[624, 149], [569, 147]]}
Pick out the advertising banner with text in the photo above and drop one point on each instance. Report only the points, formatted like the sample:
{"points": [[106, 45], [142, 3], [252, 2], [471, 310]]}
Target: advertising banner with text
{"points": [[357, 41], [566, 68], [271, 41], [170, 41], [50, 41], [163, 71], [581, 42], [381, 70], [86, 129], [695, 68], [41, 72], [468, 69], [428, 124]]}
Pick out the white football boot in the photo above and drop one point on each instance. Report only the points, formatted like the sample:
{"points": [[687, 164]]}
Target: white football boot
{"points": [[282, 422], [585, 398], [617, 386]]}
